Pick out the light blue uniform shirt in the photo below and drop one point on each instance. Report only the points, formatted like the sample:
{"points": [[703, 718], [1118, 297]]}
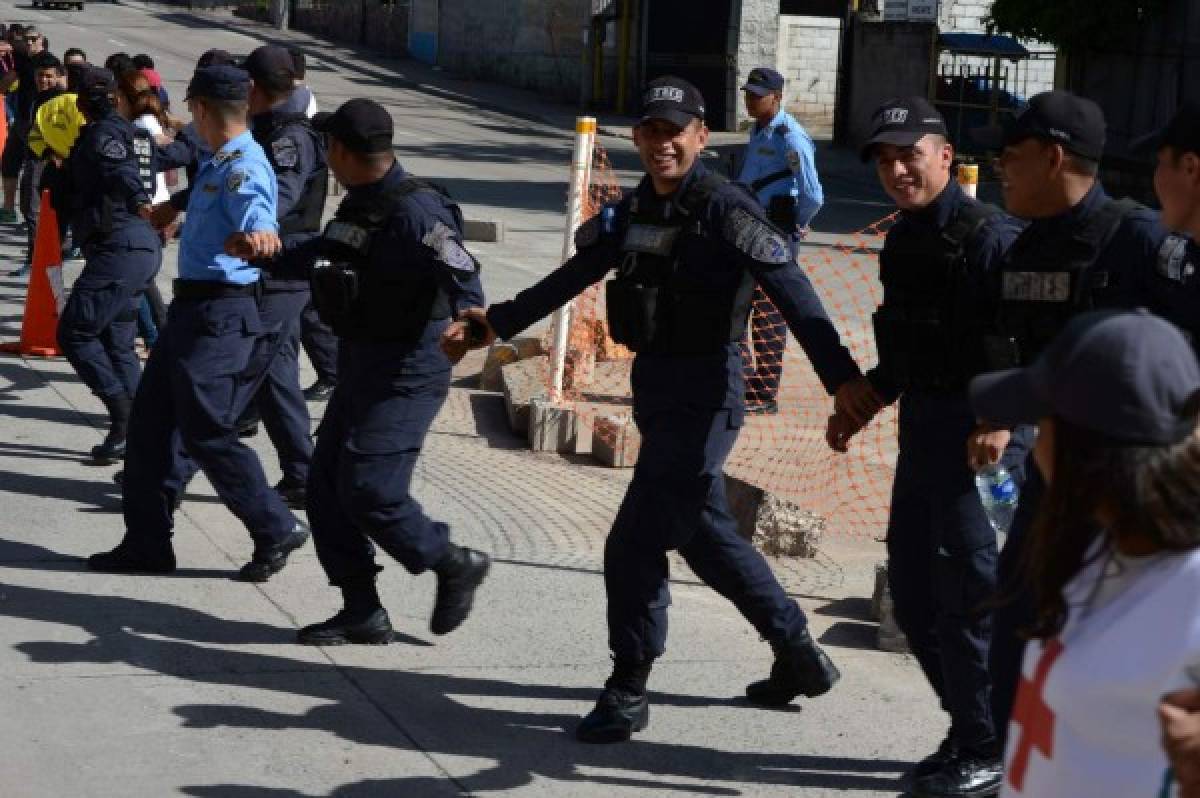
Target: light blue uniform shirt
{"points": [[234, 192], [784, 146]]}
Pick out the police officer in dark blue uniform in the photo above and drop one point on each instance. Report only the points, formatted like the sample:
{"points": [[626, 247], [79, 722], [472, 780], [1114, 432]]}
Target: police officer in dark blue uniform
{"points": [[937, 265], [1082, 250], [109, 198], [688, 247], [393, 273], [195, 381]]}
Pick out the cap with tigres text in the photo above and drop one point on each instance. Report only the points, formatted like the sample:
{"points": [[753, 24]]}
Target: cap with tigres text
{"points": [[902, 121], [672, 99]]}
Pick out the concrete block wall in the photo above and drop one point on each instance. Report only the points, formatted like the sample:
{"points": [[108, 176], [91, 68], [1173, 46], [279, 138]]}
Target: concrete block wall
{"points": [[533, 44], [807, 57]]}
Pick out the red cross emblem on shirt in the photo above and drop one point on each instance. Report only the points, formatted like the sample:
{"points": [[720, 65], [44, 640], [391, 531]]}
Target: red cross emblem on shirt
{"points": [[1034, 716]]}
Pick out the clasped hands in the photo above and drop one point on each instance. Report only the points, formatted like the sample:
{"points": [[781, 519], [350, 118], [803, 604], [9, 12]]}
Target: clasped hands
{"points": [[854, 405], [471, 330]]}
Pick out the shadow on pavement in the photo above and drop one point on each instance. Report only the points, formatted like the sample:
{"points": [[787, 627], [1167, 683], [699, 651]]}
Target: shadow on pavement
{"points": [[434, 713]]}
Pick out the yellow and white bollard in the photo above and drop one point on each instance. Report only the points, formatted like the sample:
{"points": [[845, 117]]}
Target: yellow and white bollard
{"points": [[968, 178], [581, 175]]}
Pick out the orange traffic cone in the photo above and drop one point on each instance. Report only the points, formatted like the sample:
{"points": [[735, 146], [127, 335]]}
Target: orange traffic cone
{"points": [[39, 328]]}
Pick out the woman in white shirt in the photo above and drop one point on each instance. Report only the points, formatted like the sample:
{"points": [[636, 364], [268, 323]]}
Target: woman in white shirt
{"points": [[1116, 556]]}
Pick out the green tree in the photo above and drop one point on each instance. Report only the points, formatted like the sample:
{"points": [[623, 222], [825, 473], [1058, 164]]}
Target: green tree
{"points": [[1071, 23]]}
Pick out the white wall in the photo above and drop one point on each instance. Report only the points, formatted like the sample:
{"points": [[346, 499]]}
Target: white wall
{"points": [[807, 57]]}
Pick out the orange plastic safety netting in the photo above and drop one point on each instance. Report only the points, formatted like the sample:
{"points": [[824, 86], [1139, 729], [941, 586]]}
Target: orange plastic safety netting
{"points": [[781, 451]]}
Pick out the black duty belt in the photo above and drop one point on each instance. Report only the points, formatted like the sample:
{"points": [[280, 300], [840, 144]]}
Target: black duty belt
{"points": [[210, 289]]}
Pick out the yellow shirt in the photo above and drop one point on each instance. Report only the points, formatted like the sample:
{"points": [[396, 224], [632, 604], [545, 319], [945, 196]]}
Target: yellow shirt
{"points": [[56, 126]]}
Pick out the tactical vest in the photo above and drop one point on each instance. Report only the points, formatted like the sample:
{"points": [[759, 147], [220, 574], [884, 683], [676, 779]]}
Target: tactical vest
{"points": [[656, 306], [1047, 281], [356, 297], [305, 216], [143, 148], [928, 330]]}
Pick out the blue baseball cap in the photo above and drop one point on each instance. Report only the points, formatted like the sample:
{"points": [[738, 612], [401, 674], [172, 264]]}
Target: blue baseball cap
{"points": [[763, 81], [219, 82], [1127, 375]]}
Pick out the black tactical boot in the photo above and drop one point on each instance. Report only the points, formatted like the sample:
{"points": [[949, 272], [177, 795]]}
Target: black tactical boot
{"points": [[128, 558], [293, 493], [966, 775], [362, 619], [622, 709], [459, 574], [937, 760], [801, 668], [112, 449], [269, 560]]}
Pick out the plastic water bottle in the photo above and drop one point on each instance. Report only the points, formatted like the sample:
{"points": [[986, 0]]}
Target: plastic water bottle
{"points": [[998, 493]]}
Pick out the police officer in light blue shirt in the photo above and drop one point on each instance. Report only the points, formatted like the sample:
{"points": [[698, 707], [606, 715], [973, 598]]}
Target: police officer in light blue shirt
{"points": [[780, 168], [195, 382]]}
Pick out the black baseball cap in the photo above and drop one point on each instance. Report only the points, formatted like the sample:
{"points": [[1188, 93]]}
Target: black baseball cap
{"points": [[214, 57], [270, 63], [763, 81], [1064, 118], [1181, 134], [96, 81], [672, 99], [360, 124], [1128, 375], [903, 121], [222, 82]]}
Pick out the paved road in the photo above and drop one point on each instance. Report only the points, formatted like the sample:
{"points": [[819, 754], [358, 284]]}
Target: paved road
{"points": [[191, 685]]}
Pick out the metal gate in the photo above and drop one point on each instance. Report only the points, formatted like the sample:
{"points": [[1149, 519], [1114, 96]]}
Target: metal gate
{"points": [[695, 45], [978, 80]]}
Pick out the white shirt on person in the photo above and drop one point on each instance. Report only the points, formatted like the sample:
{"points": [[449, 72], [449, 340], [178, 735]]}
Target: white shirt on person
{"points": [[148, 123], [1085, 724]]}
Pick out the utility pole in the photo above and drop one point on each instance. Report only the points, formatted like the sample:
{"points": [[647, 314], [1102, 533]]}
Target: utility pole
{"points": [[279, 13]]}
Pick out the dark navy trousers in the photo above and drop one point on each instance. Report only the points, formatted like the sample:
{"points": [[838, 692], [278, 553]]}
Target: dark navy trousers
{"points": [[99, 322], [677, 501], [192, 392], [320, 344], [367, 447], [280, 400], [942, 558]]}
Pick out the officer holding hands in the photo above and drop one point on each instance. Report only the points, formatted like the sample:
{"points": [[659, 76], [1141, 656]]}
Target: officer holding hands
{"points": [[688, 247]]}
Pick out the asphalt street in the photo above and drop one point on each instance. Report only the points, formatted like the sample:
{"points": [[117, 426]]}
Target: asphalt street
{"points": [[192, 685]]}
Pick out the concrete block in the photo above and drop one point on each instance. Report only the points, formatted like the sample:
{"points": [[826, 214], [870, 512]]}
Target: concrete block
{"points": [[522, 382], [776, 526], [883, 610], [616, 441], [502, 354], [552, 427], [479, 230]]}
